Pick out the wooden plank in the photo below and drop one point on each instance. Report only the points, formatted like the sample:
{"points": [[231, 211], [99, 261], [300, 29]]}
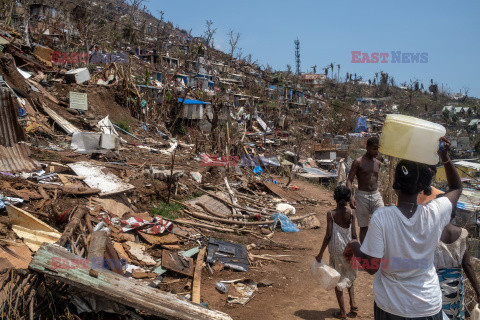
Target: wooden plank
{"points": [[116, 288], [60, 121], [113, 259], [33, 231], [197, 277], [96, 248]]}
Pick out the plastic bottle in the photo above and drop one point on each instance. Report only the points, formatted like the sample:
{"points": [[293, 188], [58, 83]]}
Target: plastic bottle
{"points": [[411, 138]]}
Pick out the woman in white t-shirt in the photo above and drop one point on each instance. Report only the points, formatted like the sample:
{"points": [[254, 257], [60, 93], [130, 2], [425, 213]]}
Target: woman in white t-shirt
{"points": [[401, 241]]}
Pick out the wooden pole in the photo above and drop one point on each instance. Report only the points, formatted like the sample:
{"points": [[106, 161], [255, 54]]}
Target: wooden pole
{"points": [[74, 222], [170, 181]]}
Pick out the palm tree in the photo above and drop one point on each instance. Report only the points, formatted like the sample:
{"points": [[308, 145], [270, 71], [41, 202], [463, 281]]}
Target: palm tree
{"points": [[338, 73], [326, 72], [331, 67]]}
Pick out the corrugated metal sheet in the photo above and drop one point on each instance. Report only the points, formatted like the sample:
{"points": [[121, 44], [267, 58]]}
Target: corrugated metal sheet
{"points": [[14, 154], [10, 130], [16, 159]]}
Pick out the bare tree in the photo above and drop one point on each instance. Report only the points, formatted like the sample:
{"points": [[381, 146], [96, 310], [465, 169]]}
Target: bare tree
{"points": [[239, 54], [209, 33], [234, 37]]}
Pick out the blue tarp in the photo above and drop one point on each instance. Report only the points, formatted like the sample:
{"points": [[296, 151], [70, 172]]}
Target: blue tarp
{"points": [[361, 125], [286, 224], [189, 101]]}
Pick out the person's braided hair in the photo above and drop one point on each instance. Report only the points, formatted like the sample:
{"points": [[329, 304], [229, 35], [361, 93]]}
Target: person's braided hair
{"points": [[412, 177], [342, 195]]}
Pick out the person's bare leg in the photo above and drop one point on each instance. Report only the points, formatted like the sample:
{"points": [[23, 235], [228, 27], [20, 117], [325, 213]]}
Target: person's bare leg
{"points": [[351, 293], [363, 233], [341, 303]]}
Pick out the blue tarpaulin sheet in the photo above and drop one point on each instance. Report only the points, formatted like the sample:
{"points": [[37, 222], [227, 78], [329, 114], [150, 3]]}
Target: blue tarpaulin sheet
{"points": [[190, 101], [286, 224], [361, 125]]}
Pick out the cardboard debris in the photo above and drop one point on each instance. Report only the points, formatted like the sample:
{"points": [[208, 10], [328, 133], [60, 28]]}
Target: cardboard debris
{"points": [[161, 239], [113, 206], [138, 252], [18, 255]]}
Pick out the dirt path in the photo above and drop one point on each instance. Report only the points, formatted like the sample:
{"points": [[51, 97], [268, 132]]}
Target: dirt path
{"points": [[294, 294]]}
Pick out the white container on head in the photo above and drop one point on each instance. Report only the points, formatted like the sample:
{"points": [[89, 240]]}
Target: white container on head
{"points": [[411, 138]]}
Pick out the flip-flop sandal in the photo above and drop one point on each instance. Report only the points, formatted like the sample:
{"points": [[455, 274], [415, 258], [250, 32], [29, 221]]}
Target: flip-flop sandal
{"points": [[353, 309], [337, 315]]}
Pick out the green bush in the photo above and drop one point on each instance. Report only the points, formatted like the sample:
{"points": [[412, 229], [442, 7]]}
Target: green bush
{"points": [[124, 126]]}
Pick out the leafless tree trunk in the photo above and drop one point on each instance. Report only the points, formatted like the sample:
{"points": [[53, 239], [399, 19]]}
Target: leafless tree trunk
{"points": [[209, 33], [234, 37]]}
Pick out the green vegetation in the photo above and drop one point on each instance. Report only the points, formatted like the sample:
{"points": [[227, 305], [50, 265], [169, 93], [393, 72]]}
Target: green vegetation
{"points": [[169, 211], [124, 126]]}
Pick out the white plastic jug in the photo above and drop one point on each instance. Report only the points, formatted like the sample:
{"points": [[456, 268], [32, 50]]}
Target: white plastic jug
{"points": [[326, 276], [411, 138], [475, 314]]}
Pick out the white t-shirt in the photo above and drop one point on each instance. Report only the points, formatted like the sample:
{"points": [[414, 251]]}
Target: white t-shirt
{"points": [[406, 284]]}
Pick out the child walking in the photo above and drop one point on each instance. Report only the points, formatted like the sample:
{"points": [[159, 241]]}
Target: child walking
{"points": [[340, 231]]}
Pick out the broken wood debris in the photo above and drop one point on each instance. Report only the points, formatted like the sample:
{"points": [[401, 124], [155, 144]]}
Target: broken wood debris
{"points": [[119, 289]]}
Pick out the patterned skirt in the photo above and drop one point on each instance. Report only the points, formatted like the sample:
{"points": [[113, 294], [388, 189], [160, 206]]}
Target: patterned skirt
{"points": [[453, 291]]}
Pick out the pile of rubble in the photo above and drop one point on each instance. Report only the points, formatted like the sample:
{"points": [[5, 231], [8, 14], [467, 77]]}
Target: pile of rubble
{"points": [[74, 233]]}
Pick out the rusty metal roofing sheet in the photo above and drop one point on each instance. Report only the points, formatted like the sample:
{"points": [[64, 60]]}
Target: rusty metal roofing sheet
{"points": [[10, 130], [16, 159]]}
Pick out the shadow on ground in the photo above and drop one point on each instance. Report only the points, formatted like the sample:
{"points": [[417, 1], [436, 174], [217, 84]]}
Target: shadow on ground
{"points": [[315, 314]]}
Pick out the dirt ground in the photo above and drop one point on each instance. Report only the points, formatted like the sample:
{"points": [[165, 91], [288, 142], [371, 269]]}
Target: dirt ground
{"points": [[293, 294]]}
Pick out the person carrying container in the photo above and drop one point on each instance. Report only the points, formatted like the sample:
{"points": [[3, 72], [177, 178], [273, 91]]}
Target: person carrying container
{"points": [[401, 241]]}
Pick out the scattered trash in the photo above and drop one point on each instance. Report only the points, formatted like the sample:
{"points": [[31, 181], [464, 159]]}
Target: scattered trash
{"points": [[325, 275], [285, 223], [232, 255], [285, 208], [223, 288], [242, 292], [197, 176]]}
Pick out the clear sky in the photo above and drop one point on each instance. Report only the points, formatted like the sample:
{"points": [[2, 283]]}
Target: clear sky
{"points": [[449, 31]]}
